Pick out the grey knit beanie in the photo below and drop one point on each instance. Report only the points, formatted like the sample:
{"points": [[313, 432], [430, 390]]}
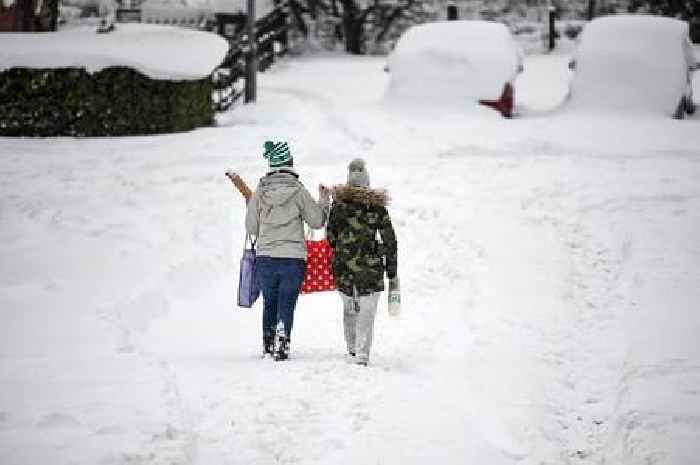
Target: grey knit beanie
{"points": [[357, 173]]}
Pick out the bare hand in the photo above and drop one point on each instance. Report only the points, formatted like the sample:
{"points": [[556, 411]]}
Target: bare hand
{"points": [[324, 193]]}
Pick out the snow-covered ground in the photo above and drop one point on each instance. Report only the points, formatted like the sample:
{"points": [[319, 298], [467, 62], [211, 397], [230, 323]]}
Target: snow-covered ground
{"points": [[549, 266]]}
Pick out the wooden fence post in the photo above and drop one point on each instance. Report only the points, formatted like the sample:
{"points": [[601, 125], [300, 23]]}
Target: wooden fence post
{"points": [[552, 30], [252, 59]]}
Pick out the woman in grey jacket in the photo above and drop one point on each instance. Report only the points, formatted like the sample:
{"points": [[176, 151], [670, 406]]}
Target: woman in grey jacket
{"points": [[276, 214]]}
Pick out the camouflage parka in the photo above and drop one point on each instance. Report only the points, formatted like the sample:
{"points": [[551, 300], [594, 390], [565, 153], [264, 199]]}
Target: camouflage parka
{"points": [[358, 215]]}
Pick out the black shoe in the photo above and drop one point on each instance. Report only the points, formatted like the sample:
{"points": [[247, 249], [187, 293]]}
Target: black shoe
{"points": [[282, 352], [281, 343], [268, 345], [282, 349]]}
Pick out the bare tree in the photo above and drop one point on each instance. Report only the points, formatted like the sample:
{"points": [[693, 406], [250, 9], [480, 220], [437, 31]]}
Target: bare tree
{"points": [[591, 9], [360, 21]]}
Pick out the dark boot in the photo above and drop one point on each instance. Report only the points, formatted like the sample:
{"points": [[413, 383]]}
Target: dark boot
{"points": [[282, 344], [282, 352], [268, 345]]}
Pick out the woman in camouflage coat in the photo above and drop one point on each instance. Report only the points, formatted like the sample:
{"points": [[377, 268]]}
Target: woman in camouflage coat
{"points": [[364, 245]]}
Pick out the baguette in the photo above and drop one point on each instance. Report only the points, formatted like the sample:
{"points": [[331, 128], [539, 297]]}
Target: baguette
{"points": [[241, 186]]}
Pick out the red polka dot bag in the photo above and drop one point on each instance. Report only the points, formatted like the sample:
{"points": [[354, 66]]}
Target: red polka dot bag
{"points": [[319, 271]]}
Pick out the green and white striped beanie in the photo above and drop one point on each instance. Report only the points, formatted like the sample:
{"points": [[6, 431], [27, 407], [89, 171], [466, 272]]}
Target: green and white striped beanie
{"points": [[277, 153]]}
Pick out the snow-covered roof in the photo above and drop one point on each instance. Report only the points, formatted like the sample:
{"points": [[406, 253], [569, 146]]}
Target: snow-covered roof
{"points": [[631, 63], [160, 52], [462, 59]]}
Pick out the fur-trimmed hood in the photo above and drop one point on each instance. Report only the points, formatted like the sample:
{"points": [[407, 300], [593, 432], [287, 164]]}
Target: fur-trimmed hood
{"points": [[367, 196]]}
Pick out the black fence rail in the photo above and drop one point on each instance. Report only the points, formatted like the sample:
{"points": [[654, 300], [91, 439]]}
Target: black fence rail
{"points": [[272, 41]]}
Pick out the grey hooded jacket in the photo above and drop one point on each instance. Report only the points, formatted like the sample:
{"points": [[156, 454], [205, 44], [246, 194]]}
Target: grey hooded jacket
{"points": [[277, 212]]}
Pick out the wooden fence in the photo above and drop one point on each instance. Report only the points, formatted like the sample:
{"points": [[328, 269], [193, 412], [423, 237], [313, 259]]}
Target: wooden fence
{"points": [[271, 39]]}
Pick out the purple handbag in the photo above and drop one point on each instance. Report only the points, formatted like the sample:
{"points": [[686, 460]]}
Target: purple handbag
{"points": [[248, 290]]}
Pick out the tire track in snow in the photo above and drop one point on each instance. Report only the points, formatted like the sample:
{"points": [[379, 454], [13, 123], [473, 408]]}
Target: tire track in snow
{"points": [[172, 439], [579, 404], [591, 417]]}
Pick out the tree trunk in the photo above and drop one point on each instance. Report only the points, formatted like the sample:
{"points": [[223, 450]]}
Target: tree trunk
{"points": [[25, 15], [591, 9], [296, 12], [53, 9], [353, 33]]}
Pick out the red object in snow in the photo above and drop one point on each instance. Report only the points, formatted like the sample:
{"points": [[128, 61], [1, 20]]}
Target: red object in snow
{"points": [[8, 19], [319, 271], [505, 104]]}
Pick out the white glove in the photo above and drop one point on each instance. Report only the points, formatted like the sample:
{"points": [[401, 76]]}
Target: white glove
{"points": [[394, 284]]}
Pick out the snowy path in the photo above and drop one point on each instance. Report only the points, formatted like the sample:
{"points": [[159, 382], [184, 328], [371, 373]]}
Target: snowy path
{"points": [[549, 269]]}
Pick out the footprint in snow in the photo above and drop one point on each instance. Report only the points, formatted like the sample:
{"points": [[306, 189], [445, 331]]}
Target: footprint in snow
{"points": [[57, 420], [4, 420], [110, 430]]}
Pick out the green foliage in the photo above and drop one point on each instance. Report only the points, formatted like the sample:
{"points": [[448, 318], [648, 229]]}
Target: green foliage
{"points": [[116, 101]]}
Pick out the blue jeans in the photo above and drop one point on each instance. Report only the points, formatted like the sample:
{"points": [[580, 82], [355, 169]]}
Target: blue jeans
{"points": [[280, 281]]}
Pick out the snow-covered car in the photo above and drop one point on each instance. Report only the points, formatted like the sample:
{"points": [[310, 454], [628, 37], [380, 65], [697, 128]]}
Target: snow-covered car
{"points": [[634, 63], [456, 61]]}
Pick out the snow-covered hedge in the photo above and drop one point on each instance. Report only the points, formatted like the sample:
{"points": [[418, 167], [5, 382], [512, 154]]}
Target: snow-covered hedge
{"points": [[112, 102], [138, 79], [159, 52]]}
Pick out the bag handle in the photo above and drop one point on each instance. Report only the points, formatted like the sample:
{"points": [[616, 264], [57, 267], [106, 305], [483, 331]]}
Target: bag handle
{"points": [[249, 238], [310, 234]]}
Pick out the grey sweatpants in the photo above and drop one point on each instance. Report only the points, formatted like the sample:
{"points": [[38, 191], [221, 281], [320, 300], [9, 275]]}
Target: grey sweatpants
{"points": [[358, 323]]}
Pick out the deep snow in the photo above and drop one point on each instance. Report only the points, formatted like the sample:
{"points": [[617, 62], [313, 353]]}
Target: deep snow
{"points": [[549, 269]]}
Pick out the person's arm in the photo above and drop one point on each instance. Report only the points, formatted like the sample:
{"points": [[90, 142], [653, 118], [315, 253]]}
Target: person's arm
{"points": [[386, 231], [314, 213], [252, 224]]}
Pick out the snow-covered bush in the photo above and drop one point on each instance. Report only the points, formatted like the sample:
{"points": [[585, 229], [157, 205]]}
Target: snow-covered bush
{"points": [[93, 8], [134, 80], [111, 102]]}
